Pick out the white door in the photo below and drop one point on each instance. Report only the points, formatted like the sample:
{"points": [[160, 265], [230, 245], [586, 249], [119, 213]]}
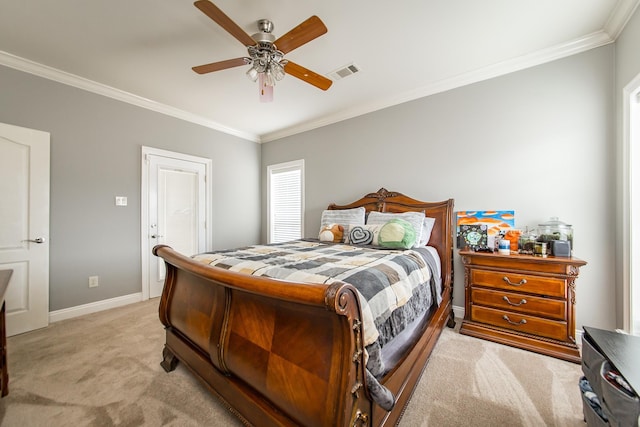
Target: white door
{"points": [[177, 209], [24, 226]]}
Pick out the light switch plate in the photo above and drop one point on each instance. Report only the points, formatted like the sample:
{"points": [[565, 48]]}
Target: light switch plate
{"points": [[121, 201]]}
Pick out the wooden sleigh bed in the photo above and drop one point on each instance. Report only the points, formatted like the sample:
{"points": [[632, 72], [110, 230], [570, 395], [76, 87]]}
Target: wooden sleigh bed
{"points": [[280, 353]]}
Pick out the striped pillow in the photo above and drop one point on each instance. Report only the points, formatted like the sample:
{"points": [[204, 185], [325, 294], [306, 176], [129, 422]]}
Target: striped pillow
{"points": [[343, 217]]}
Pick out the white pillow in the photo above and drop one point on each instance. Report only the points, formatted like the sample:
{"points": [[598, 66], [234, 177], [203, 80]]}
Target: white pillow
{"points": [[427, 228], [343, 217], [416, 219]]}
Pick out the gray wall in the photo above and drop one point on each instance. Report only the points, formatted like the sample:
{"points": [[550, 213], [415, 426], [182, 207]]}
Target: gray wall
{"points": [[538, 141], [95, 155]]}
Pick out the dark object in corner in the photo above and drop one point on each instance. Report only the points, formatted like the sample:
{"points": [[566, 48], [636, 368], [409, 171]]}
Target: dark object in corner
{"points": [[609, 363]]}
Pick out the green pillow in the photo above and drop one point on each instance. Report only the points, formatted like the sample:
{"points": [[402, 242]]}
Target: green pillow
{"points": [[397, 234]]}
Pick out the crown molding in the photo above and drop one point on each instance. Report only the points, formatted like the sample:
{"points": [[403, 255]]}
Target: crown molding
{"points": [[619, 17], [615, 24], [31, 67], [573, 47]]}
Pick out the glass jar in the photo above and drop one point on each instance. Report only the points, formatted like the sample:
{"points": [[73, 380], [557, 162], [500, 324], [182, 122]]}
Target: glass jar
{"points": [[527, 242], [555, 229]]}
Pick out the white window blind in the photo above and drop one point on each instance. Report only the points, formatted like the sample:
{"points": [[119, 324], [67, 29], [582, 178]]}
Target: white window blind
{"points": [[286, 201]]}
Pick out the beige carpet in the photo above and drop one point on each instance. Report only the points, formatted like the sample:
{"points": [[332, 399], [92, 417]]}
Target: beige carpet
{"points": [[103, 370]]}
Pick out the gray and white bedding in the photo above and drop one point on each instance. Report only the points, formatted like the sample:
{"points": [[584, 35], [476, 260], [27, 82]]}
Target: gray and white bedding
{"points": [[395, 287]]}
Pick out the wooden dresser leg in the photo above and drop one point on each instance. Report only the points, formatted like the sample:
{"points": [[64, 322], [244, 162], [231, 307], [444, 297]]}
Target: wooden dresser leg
{"points": [[169, 360]]}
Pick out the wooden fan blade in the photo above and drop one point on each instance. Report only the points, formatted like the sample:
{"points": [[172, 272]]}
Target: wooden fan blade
{"points": [[212, 11], [303, 33], [308, 76], [217, 66]]}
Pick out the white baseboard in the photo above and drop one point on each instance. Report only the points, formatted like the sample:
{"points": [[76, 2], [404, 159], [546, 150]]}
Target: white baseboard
{"points": [[578, 336], [458, 312], [93, 307]]}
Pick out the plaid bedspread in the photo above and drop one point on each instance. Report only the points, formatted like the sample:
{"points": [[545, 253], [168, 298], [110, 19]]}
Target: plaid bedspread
{"points": [[385, 279]]}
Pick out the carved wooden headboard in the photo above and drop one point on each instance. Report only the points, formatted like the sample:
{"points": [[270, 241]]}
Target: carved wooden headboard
{"points": [[442, 234]]}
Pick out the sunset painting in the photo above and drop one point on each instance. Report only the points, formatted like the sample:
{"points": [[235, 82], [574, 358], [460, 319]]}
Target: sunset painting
{"points": [[495, 221]]}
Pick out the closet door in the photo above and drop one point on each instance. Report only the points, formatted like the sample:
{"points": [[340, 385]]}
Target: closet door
{"points": [[177, 202], [24, 226]]}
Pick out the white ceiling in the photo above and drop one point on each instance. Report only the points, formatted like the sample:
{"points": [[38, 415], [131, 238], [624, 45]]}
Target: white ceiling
{"points": [[142, 51]]}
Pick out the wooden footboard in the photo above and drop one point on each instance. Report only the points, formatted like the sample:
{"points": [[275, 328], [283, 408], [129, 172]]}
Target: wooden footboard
{"points": [[283, 354], [286, 353], [279, 353]]}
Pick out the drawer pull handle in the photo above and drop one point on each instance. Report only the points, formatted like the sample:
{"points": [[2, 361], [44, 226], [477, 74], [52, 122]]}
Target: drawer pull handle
{"points": [[520, 283], [522, 322], [516, 304]]}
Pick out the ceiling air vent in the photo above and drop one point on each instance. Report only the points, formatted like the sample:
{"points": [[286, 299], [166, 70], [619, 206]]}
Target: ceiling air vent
{"points": [[343, 72]]}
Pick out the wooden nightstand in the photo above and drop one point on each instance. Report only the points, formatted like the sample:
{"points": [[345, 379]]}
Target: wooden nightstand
{"points": [[522, 301]]}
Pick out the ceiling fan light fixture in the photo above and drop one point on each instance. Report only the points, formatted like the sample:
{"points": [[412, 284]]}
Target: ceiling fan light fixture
{"points": [[266, 91], [277, 70], [269, 79], [252, 74]]}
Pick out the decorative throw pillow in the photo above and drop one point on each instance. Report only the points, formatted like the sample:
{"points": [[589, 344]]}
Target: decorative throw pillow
{"points": [[397, 234], [343, 217], [363, 234], [331, 233], [416, 220]]}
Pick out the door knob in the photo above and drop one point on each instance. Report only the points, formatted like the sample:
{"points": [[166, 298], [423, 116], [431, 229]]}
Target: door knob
{"points": [[36, 240]]}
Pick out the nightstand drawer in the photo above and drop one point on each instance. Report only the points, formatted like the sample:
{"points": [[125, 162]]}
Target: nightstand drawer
{"points": [[538, 306], [520, 322], [519, 282]]}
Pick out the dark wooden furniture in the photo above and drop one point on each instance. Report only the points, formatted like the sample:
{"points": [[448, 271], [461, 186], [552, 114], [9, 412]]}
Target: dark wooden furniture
{"points": [[281, 353], [5, 275], [522, 301], [603, 351]]}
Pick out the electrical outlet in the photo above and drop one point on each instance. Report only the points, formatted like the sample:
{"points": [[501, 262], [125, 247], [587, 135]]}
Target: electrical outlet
{"points": [[93, 281]]}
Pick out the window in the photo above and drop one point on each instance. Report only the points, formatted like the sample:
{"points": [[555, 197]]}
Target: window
{"points": [[285, 186]]}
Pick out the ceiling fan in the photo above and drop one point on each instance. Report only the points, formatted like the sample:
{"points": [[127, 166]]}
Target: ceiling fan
{"points": [[266, 53]]}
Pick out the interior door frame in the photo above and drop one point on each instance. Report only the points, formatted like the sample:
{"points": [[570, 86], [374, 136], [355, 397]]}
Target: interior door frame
{"points": [[630, 203], [144, 206]]}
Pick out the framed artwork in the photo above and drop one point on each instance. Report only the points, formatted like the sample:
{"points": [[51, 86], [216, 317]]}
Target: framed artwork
{"points": [[472, 235], [488, 223]]}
